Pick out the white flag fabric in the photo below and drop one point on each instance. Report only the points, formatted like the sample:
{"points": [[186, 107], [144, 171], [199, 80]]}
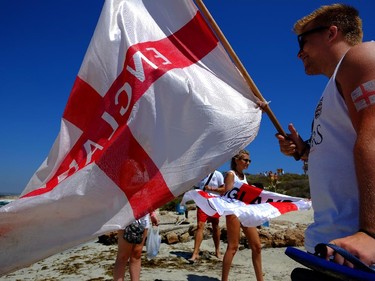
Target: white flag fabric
{"points": [[156, 105], [252, 205]]}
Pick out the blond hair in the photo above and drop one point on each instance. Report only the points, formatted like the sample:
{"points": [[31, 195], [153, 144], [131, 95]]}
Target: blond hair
{"points": [[345, 17], [233, 164]]}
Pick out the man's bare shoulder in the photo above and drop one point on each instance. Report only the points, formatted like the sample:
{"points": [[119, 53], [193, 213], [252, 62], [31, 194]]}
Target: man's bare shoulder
{"points": [[360, 53], [357, 67]]}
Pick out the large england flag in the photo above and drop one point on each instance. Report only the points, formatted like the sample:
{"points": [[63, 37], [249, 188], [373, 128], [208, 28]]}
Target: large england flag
{"points": [[156, 105]]}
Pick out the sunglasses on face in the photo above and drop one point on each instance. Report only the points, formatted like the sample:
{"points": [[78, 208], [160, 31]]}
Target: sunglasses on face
{"points": [[246, 160], [302, 41]]}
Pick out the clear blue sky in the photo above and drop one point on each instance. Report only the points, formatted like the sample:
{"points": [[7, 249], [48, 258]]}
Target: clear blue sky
{"points": [[43, 43]]}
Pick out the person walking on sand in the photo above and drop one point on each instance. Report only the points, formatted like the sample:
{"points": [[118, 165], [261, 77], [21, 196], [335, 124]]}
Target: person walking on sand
{"points": [[129, 253], [239, 163], [212, 183]]}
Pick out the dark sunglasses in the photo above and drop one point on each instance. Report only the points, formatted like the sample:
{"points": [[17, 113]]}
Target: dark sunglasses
{"points": [[246, 160], [301, 41]]}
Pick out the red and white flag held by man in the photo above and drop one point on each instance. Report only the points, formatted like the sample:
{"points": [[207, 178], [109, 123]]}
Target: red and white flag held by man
{"points": [[253, 206], [156, 105]]}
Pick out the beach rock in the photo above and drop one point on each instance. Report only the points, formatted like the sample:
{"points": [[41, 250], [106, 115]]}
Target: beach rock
{"points": [[279, 234], [108, 239], [266, 238], [171, 238], [185, 237]]}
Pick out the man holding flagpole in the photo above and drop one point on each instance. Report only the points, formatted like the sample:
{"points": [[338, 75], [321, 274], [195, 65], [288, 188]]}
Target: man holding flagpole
{"points": [[340, 152]]}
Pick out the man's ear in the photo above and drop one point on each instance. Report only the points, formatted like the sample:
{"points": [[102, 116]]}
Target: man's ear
{"points": [[333, 30]]}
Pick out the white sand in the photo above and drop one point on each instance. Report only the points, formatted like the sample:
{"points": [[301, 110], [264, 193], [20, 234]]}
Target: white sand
{"points": [[94, 261]]}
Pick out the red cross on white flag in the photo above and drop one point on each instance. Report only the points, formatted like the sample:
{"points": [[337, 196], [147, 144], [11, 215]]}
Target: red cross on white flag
{"points": [[157, 104], [364, 95]]}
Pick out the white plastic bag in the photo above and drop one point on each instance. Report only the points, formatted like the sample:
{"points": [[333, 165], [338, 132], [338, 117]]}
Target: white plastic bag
{"points": [[153, 242]]}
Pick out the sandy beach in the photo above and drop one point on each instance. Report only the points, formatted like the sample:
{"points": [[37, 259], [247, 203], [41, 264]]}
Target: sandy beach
{"points": [[94, 261]]}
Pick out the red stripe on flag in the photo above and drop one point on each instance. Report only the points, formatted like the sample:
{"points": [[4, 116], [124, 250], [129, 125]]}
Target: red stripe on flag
{"points": [[85, 109], [284, 207], [83, 105], [129, 166], [366, 95], [206, 195], [246, 193]]}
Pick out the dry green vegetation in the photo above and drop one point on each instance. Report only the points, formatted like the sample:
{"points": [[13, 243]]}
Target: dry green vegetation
{"points": [[289, 184]]}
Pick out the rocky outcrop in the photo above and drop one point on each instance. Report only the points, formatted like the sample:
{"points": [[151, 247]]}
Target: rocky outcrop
{"points": [[278, 234]]}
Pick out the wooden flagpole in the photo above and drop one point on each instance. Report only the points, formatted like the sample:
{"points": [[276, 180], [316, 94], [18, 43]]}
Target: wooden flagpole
{"points": [[240, 66]]}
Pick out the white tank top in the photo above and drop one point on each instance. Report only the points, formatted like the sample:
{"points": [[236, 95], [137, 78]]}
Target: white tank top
{"points": [[333, 183], [237, 179]]}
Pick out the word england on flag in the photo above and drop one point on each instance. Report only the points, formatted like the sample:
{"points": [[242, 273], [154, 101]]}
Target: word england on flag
{"points": [[156, 105]]}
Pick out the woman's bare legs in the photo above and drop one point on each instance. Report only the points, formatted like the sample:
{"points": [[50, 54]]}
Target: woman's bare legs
{"points": [[128, 252], [123, 254], [233, 237], [198, 240], [135, 259], [253, 239], [216, 238]]}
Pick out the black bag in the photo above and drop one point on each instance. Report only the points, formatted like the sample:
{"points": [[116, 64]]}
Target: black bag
{"points": [[133, 233]]}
